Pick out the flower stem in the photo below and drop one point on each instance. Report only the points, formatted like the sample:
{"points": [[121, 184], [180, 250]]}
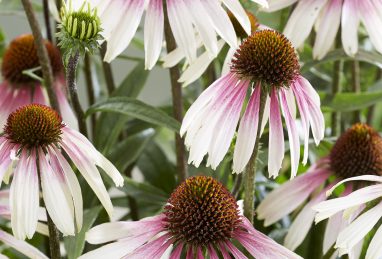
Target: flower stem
{"points": [[177, 101], [54, 239], [356, 85], [336, 88], [249, 177], [90, 89], [42, 54], [45, 4], [107, 71], [72, 85]]}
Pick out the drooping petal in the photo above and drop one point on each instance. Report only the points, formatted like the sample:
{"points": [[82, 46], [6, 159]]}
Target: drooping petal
{"points": [[227, 60], [276, 137], [375, 248], [112, 250], [212, 253], [21, 246], [241, 16], [333, 227], [234, 250], [274, 5], [124, 32], [356, 231], [290, 195], [176, 253], [65, 109], [153, 249], [24, 197], [372, 21], [349, 27], [153, 32], [328, 28], [57, 197], [301, 21], [246, 136], [371, 178], [294, 141], [330, 207]]}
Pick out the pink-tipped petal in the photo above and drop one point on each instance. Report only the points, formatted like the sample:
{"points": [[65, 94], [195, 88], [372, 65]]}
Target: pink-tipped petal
{"points": [[246, 136], [349, 27], [153, 32], [21, 246], [294, 141], [276, 137], [177, 252], [57, 196], [290, 195], [212, 253], [153, 249], [113, 250], [24, 197], [234, 251]]}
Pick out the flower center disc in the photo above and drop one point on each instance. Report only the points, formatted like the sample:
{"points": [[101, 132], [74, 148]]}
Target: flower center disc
{"points": [[34, 125], [266, 56], [22, 55], [201, 211], [357, 152]]}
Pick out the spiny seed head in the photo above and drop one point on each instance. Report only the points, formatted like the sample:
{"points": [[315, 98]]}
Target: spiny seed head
{"points": [[240, 32], [79, 30], [201, 211], [357, 152], [22, 55], [266, 56], [34, 125]]}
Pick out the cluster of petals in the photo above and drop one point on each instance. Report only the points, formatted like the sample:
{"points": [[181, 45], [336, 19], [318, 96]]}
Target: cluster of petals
{"points": [[327, 16], [312, 187], [189, 20], [352, 236], [61, 191], [211, 121], [148, 238]]}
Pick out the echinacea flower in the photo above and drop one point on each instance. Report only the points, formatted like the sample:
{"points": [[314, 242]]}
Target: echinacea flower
{"points": [[21, 246], [368, 197], [19, 89], [195, 70], [357, 152], [31, 149], [266, 63], [201, 217], [327, 16], [120, 20]]}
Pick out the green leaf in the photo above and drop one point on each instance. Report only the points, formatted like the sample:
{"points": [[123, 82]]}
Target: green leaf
{"points": [[74, 245], [2, 42], [339, 54], [129, 150], [131, 86], [144, 192], [344, 102], [137, 109]]}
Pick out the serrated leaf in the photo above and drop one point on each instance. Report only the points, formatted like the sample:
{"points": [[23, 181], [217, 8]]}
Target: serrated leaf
{"points": [[74, 245], [137, 109]]}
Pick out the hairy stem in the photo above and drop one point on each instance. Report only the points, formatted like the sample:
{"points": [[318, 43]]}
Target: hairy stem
{"points": [[54, 239], [237, 186], [249, 177], [72, 85], [42, 54], [356, 87], [177, 101]]}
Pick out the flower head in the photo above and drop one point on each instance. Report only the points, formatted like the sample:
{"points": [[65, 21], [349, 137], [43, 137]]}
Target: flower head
{"points": [[31, 150], [190, 21], [357, 152], [266, 63], [200, 216], [79, 29], [326, 17], [22, 74]]}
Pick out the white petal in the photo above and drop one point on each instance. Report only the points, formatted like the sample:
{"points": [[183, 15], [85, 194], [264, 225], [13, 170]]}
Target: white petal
{"points": [[241, 16], [333, 227], [263, 3], [246, 136], [356, 231], [113, 250], [301, 21], [221, 21], [57, 197], [125, 30], [66, 111], [111, 14], [328, 28], [276, 137], [373, 23], [24, 197], [227, 60], [153, 34], [372, 178], [349, 27], [173, 58], [274, 5], [375, 249], [267, 110], [21, 246], [182, 29]]}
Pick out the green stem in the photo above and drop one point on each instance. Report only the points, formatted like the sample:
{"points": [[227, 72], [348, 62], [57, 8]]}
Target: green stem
{"points": [[177, 101], [249, 177], [108, 73], [356, 87], [72, 85], [90, 89], [336, 88], [48, 29]]}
